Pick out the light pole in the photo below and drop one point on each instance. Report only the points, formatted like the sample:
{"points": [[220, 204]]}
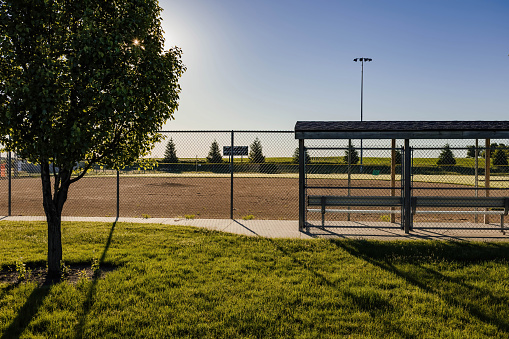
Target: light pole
{"points": [[362, 88]]}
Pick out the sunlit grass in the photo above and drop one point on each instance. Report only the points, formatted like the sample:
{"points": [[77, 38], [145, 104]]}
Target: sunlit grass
{"points": [[174, 282]]}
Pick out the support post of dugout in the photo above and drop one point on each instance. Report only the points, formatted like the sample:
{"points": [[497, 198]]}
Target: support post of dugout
{"points": [[302, 183], [231, 178], [407, 188]]}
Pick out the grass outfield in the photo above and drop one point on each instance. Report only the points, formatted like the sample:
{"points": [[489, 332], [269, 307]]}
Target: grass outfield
{"points": [[170, 281]]}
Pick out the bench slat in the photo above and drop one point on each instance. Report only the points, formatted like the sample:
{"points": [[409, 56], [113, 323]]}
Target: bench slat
{"points": [[460, 212], [316, 200], [481, 202], [328, 210]]}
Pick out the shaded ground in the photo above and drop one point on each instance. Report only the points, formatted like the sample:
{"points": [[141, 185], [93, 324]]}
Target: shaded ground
{"points": [[264, 198]]}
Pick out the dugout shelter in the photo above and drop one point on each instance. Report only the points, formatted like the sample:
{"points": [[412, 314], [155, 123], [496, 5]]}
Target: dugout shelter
{"points": [[393, 130]]}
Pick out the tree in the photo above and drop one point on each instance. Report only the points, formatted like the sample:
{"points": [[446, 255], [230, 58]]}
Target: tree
{"points": [[500, 157], [493, 147], [214, 156], [354, 156], [446, 157], [471, 151], [170, 154], [295, 158], [82, 82], [256, 153]]}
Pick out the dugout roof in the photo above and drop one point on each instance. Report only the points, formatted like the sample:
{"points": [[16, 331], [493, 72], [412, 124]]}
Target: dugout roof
{"points": [[402, 130]]}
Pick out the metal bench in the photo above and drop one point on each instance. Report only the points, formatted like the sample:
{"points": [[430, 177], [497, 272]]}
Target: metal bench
{"points": [[325, 201], [501, 203]]}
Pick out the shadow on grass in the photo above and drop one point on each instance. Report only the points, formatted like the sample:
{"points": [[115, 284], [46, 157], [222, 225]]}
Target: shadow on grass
{"points": [[373, 304], [480, 303], [87, 304], [27, 312]]}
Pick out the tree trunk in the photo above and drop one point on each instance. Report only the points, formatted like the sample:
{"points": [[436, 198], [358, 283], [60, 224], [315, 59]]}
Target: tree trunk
{"points": [[53, 204]]}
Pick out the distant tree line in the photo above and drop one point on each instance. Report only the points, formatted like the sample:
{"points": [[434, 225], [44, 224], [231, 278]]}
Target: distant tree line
{"points": [[215, 156], [498, 153]]}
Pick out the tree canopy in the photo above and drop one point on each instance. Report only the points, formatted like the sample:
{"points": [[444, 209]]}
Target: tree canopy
{"points": [[170, 153], [85, 80], [446, 157], [500, 157], [295, 158], [256, 152], [354, 155], [214, 156], [82, 81], [471, 151]]}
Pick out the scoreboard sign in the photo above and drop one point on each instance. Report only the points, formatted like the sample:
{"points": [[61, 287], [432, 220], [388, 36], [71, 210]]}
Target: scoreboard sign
{"points": [[237, 150]]}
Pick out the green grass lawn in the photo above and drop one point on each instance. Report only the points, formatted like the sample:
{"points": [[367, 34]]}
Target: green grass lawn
{"points": [[169, 281]]}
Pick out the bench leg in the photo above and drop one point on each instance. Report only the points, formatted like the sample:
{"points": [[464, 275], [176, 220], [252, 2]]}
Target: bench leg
{"points": [[502, 223], [323, 211]]}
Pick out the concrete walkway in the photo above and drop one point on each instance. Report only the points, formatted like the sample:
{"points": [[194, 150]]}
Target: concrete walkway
{"points": [[290, 229]]}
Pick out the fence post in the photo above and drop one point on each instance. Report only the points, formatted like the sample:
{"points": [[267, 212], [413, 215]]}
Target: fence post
{"points": [[10, 182], [349, 155], [407, 189], [231, 179], [487, 161], [118, 194], [302, 183], [393, 176], [476, 219]]}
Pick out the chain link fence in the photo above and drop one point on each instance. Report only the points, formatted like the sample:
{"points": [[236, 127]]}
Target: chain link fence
{"points": [[194, 177], [439, 168]]}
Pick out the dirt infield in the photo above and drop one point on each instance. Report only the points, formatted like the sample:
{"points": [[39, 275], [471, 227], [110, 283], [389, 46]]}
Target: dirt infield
{"points": [[203, 197], [162, 197]]}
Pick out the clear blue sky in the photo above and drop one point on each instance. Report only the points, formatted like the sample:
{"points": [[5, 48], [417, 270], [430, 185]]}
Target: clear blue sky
{"points": [[266, 64]]}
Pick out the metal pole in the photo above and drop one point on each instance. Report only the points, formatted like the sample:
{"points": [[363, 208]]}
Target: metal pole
{"points": [[118, 194], [476, 175], [487, 161], [10, 182], [231, 179], [302, 187], [362, 94], [349, 172], [407, 188], [393, 176], [362, 84]]}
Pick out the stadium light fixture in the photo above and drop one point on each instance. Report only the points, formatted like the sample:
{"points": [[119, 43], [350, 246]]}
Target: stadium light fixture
{"points": [[362, 60]]}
